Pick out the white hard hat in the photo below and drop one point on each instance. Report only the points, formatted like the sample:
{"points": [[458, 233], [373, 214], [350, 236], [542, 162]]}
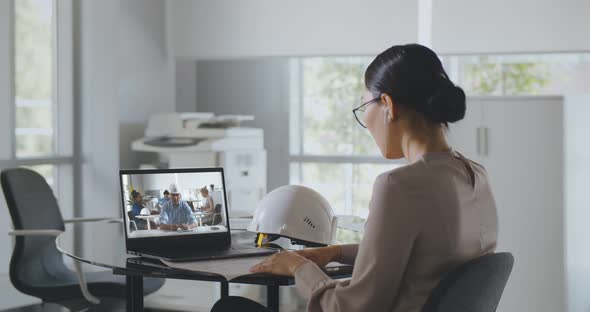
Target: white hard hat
{"points": [[296, 212], [174, 189]]}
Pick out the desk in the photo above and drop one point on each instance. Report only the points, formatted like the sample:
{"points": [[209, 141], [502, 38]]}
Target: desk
{"points": [[148, 218], [122, 264], [200, 216]]}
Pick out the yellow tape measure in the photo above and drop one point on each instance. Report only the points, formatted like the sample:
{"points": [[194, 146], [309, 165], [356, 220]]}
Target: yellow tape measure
{"points": [[262, 239]]}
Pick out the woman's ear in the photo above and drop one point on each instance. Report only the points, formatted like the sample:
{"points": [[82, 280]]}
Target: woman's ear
{"points": [[389, 107]]}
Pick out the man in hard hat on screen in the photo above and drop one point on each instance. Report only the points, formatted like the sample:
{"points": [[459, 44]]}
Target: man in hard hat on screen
{"points": [[176, 215]]}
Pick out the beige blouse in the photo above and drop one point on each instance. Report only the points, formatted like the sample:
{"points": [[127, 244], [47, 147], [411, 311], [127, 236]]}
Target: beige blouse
{"points": [[425, 219]]}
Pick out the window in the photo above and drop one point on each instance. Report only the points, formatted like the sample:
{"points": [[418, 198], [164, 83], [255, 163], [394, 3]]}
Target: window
{"points": [[522, 74], [34, 64], [41, 111], [329, 151]]}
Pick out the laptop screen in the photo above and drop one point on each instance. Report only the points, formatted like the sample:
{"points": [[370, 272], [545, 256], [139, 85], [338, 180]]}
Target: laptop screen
{"points": [[172, 203]]}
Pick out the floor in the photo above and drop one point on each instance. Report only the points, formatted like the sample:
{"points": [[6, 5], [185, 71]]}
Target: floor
{"points": [[175, 295], [56, 308]]}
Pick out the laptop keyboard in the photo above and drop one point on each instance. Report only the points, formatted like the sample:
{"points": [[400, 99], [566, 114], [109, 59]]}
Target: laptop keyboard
{"points": [[241, 247], [234, 249]]}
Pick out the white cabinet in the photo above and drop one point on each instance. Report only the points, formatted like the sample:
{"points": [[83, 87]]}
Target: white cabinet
{"points": [[520, 142], [463, 136], [577, 199], [245, 178]]}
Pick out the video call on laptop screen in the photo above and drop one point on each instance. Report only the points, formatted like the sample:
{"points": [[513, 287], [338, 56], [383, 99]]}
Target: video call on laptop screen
{"points": [[167, 204]]}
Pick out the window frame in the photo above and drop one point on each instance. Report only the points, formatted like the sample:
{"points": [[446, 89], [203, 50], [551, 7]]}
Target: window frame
{"points": [[297, 156], [63, 159]]}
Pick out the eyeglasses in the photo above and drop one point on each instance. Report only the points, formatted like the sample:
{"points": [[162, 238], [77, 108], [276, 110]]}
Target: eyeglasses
{"points": [[359, 112]]}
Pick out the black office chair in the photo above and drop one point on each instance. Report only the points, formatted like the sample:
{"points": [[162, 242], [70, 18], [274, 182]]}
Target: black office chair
{"points": [[132, 223], [191, 205], [217, 218], [475, 286], [36, 266]]}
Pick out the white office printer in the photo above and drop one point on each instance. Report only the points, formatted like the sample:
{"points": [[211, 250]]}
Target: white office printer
{"points": [[185, 140]]}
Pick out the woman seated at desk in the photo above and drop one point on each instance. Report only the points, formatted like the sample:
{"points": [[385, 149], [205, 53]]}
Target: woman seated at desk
{"points": [[137, 200], [207, 206], [176, 214], [425, 219]]}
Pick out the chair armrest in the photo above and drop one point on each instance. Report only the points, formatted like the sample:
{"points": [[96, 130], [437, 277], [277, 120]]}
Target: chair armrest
{"points": [[54, 233], [79, 220], [134, 224]]}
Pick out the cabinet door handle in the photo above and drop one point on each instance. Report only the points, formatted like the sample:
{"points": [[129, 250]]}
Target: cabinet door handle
{"points": [[486, 141], [478, 141]]}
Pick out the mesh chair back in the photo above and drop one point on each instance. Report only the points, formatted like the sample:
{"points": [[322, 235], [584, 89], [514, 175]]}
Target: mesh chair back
{"points": [[32, 205]]}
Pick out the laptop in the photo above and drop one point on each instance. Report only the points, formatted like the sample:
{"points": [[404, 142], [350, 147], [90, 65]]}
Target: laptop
{"points": [[182, 227]]}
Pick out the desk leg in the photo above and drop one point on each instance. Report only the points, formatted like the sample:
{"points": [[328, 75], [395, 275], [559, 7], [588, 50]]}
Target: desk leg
{"points": [[272, 297], [149, 225], [134, 293], [224, 289]]}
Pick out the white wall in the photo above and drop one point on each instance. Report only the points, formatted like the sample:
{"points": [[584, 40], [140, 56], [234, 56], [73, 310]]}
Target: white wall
{"points": [[221, 29], [186, 86], [258, 87], [97, 74], [5, 136], [577, 214], [481, 26], [224, 29], [146, 82], [228, 28], [125, 75], [5, 77], [146, 72]]}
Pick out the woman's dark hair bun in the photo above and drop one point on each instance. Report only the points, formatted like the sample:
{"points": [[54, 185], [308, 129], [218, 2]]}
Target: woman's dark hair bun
{"points": [[446, 105], [413, 76]]}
